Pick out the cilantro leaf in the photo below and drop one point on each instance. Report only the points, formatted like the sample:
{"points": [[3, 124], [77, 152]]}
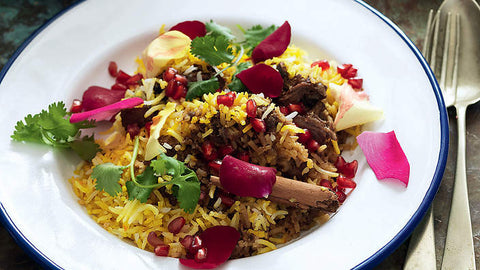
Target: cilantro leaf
{"points": [[187, 190], [214, 50], [236, 84], [217, 30], [197, 89], [85, 147], [186, 185], [54, 122], [257, 34], [28, 131], [107, 175], [52, 127], [142, 194]]}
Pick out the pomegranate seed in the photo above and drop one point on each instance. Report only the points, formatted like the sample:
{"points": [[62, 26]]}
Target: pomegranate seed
{"points": [[162, 250], [243, 156], [134, 80], [76, 106], [339, 163], [344, 182], [153, 239], [341, 196], [297, 108], [133, 130], [347, 169], [169, 74], [284, 110], [112, 69], [201, 255], [148, 125], [170, 90], [215, 165], [226, 200], [176, 225], [251, 108], [226, 100], [326, 183], [180, 90], [356, 83], [225, 150], [187, 241], [304, 137], [119, 87], [347, 71], [181, 79], [312, 145], [324, 64], [258, 125], [122, 77], [208, 151], [196, 245]]}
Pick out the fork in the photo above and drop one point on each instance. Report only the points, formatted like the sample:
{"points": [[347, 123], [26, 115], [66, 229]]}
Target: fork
{"points": [[459, 250]]}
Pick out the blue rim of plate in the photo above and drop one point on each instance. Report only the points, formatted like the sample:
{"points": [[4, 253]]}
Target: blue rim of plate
{"points": [[370, 262]]}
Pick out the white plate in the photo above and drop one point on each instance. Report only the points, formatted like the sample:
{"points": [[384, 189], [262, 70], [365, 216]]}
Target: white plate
{"points": [[71, 53]]}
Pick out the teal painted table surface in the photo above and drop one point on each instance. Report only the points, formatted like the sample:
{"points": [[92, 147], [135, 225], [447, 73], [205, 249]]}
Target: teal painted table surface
{"points": [[19, 19]]}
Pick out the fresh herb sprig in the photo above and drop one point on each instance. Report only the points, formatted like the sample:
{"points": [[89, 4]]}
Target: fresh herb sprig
{"points": [[216, 48], [186, 187], [52, 127]]}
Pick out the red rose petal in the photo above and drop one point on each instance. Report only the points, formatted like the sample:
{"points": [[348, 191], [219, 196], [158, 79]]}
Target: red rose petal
{"points": [[107, 112], [385, 155], [219, 241], [96, 97], [245, 179], [273, 45], [262, 78], [192, 29]]}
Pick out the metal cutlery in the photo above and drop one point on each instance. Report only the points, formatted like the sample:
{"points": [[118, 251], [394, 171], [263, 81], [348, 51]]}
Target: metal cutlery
{"points": [[457, 61]]}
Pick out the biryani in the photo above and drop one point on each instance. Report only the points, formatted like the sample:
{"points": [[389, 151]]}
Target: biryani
{"points": [[162, 176]]}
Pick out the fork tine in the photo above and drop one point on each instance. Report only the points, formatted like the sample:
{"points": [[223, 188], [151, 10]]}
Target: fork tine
{"points": [[428, 33], [446, 50], [436, 29]]}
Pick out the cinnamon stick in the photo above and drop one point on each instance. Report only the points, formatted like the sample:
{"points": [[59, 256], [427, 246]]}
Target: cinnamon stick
{"points": [[298, 194]]}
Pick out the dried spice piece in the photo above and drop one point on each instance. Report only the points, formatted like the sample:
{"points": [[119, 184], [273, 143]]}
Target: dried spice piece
{"points": [[262, 78], [273, 45], [192, 29]]}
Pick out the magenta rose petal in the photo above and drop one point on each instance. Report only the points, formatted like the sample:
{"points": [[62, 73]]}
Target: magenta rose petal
{"points": [[192, 29], [106, 112], [262, 78], [245, 179], [273, 45], [385, 155], [97, 97], [219, 241]]}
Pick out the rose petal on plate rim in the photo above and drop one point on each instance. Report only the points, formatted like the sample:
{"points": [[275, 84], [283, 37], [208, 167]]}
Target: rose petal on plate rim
{"points": [[385, 155]]}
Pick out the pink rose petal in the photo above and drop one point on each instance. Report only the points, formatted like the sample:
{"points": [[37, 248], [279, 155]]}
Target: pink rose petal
{"points": [[107, 112], [219, 241], [192, 29], [262, 78], [273, 45], [245, 179], [385, 155], [96, 97]]}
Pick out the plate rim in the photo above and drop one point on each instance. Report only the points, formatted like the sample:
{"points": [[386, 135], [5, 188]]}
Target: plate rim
{"points": [[371, 261]]}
